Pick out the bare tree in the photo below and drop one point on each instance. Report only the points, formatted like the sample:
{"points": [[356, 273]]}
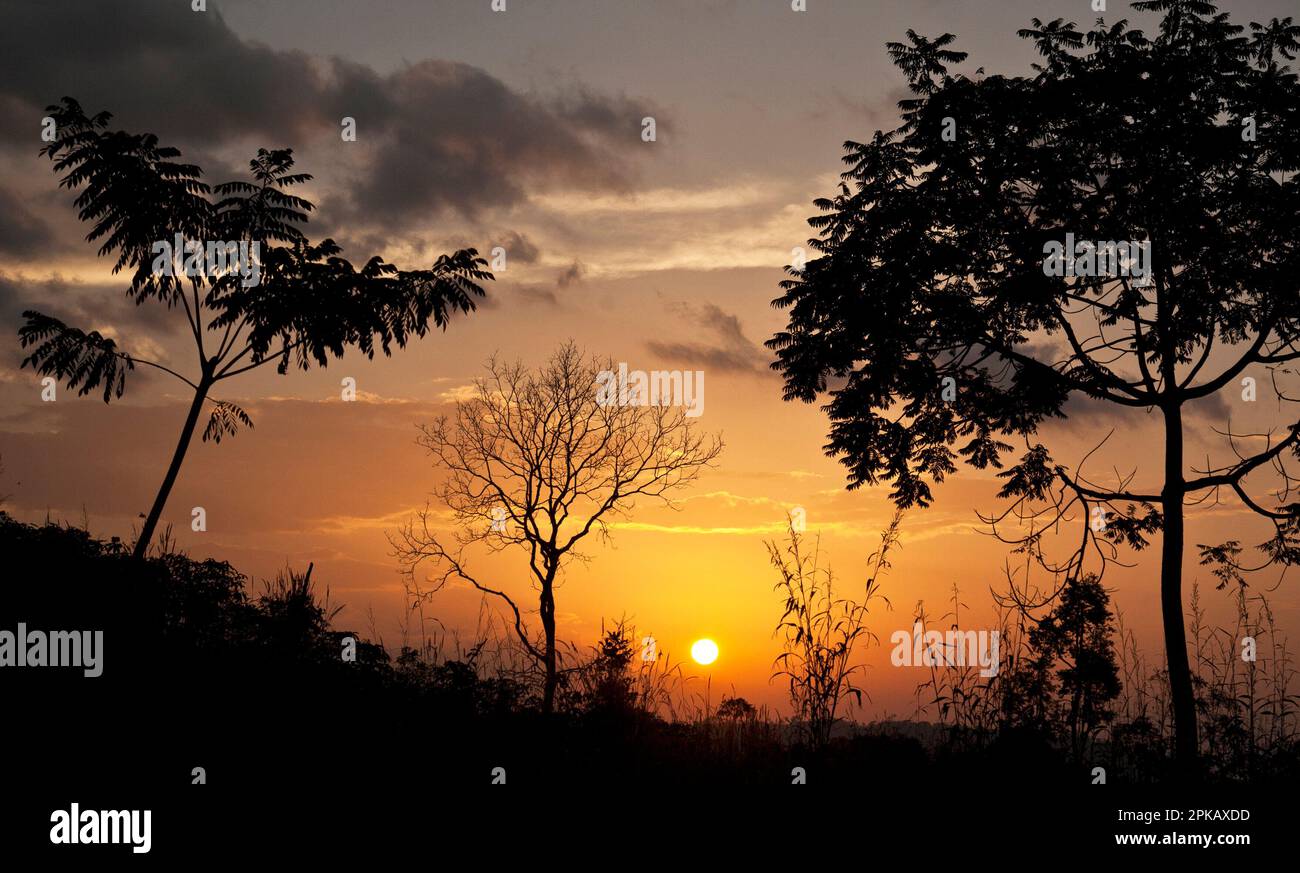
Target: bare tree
{"points": [[535, 462]]}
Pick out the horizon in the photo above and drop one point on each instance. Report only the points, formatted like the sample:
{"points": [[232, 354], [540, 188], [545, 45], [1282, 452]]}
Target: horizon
{"points": [[661, 256]]}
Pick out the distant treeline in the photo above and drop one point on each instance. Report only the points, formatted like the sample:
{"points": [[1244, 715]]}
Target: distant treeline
{"points": [[203, 669]]}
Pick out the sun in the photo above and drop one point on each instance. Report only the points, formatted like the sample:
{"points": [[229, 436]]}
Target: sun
{"points": [[704, 651]]}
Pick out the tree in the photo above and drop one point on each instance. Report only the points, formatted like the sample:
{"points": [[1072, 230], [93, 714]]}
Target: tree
{"points": [[931, 320], [736, 709], [254, 290], [1075, 639], [610, 680], [535, 462]]}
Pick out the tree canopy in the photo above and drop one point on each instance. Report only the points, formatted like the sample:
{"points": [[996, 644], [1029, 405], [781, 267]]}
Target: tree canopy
{"points": [[939, 331], [281, 299]]}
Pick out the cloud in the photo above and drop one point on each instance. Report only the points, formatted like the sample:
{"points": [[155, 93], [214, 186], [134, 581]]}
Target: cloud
{"points": [[459, 394], [519, 248], [571, 274], [674, 202], [89, 306], [185, 74], [434, 136], [22, 233], [537, 294], [1095, 412], [459, 139], [548, 295], [730, 352], [143, 331]]}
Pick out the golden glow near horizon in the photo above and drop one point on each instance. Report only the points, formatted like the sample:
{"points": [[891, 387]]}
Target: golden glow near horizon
{"points": [[704, 651], [672, 264]]}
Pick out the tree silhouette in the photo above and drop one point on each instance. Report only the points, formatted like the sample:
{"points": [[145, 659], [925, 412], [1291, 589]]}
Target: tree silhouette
{"points": [[535, 462], [1076, 635], [930, 307], [736, 709], [307, 304]]}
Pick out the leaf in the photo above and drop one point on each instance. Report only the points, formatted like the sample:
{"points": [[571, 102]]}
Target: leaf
{"points": [[224, 421], [84, 360]]}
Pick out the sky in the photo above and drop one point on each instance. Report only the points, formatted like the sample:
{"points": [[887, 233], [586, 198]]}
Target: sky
{"points": [[523, 129]]}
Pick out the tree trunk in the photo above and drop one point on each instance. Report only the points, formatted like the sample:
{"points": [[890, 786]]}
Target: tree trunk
{"points": [[1171, 596], [547, 609], [182, 446]]}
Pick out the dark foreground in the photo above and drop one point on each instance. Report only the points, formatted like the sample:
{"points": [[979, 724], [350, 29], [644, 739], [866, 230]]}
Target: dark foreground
{"points": [[235, 721]]}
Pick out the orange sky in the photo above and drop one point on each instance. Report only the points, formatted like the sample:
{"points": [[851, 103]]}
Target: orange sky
{"points": [[668, 260]]}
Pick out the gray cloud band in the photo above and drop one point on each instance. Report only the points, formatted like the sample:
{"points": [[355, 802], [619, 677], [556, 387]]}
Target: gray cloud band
{"points": [[438, 135]]}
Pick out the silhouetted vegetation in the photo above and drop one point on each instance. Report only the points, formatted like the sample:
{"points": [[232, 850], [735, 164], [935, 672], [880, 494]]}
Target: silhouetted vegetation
{"points": [[822, 632], [938, 330], [251, 681], [1074, 693], [253, 288], [537, 464]]}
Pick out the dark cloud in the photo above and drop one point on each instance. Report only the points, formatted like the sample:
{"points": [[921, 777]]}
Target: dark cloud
{"points": [[537, 294], [160, 66], [548, 294], [437, 135], [1214, 408], [88, 307], [571, 274], [1084, 413], [462, 140], [22, 233], [731, 351], [519, 248], [145, 331], [1080, 407]]}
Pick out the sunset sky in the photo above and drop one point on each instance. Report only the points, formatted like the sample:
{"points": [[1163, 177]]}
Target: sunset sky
{"points": [[522, 129]]}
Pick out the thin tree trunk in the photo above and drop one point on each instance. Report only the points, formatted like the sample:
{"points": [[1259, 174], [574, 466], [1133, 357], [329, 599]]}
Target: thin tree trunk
{"points": [[1171, 596], [182, 446], [547, 610]]}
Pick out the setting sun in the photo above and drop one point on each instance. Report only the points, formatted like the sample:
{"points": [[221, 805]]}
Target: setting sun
{"points": [[704, 651], [910, 361]]}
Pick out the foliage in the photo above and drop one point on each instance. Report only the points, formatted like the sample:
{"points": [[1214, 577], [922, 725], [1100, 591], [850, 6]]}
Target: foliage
{"points": [[930, 321], [821, 632], [290, 302]]}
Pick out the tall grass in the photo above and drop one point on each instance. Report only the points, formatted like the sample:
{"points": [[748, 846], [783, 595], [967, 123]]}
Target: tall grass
{"points": [[1246, 710], [821, 631]]}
